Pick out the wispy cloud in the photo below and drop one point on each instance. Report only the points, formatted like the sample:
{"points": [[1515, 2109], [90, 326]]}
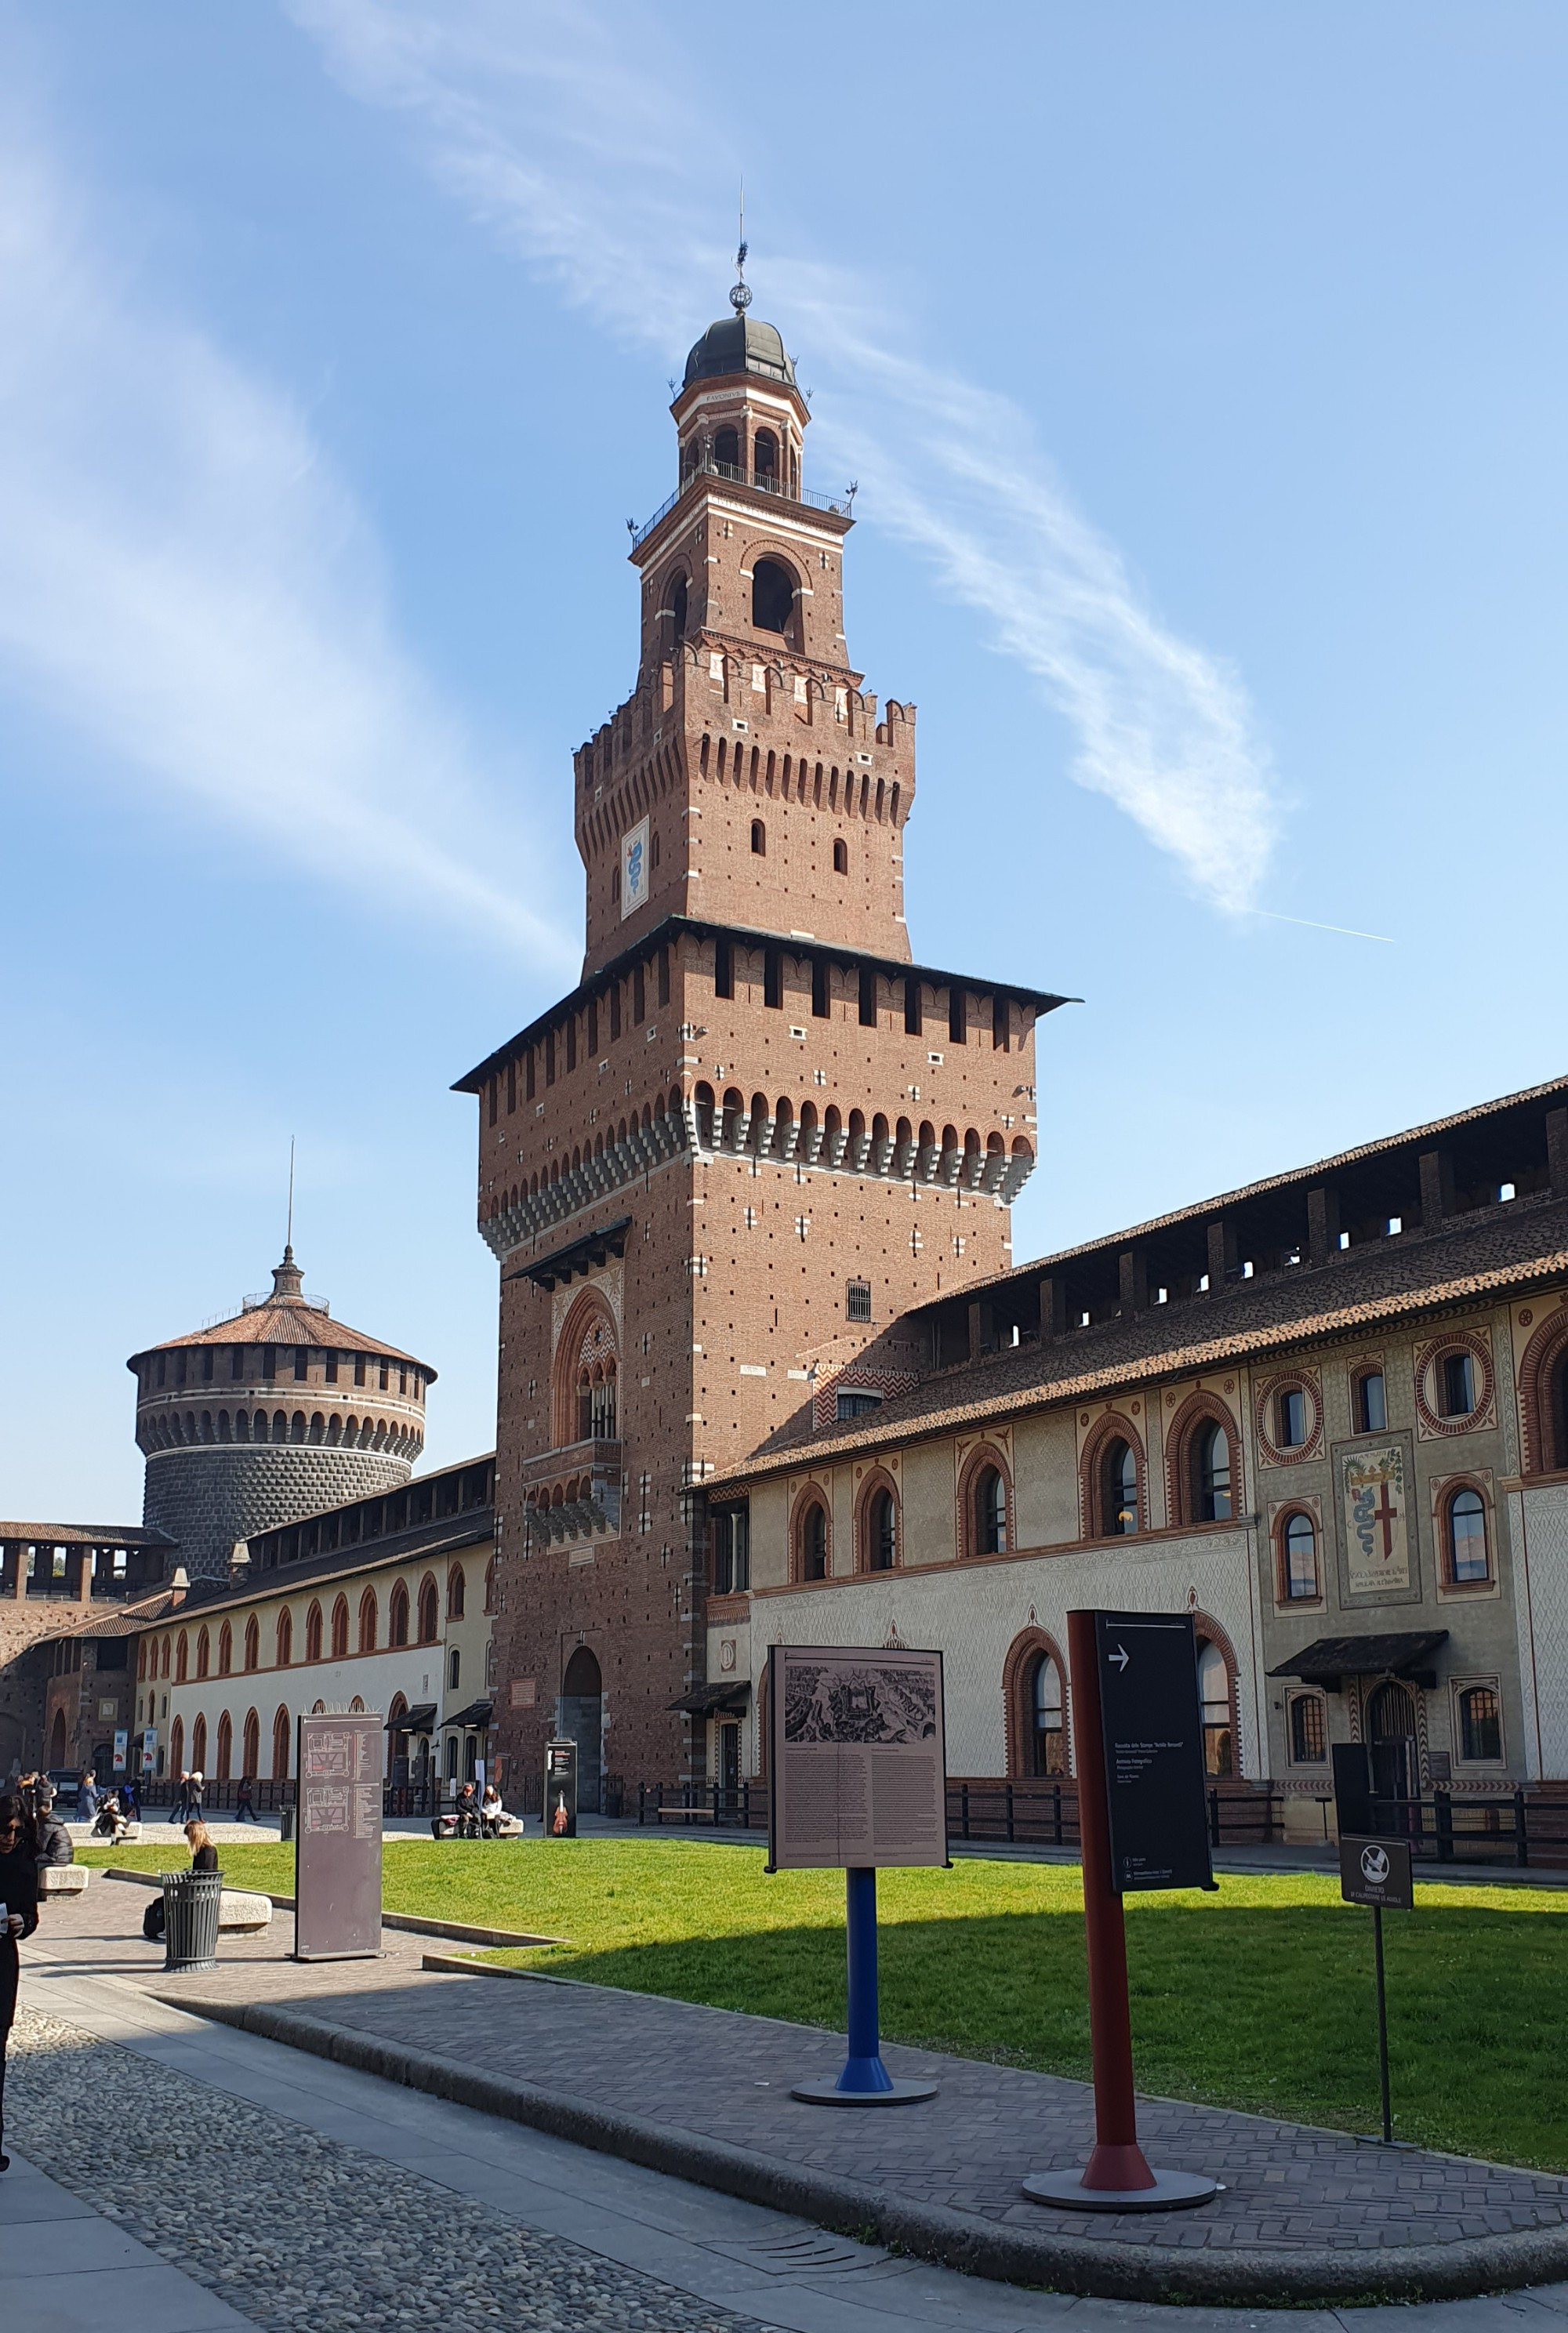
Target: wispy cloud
{"points": [[185, 583], [571, 136]]}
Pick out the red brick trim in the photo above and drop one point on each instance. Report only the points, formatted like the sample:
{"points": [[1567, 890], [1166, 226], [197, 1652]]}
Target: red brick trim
{"points": [[1538, 1450], [1115, 1425], [1281, 1382], [811, 1494], [1180, 1434], [985, 1454], [1204, 1627], [877, 1478], [1444, 1491], [1463, 1340], [1028, 1646]]}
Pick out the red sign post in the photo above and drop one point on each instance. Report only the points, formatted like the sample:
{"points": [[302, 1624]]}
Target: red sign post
{"points": [[1152, 1662]]}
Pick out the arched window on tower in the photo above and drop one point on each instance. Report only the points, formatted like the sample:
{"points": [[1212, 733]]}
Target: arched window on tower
{"points": [[764, 460], [679, 607], [726, 449], [772, 596]]}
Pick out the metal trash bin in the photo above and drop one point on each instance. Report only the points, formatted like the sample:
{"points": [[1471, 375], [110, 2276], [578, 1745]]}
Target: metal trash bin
{"points": [[192, 1901], [287, 1818]]}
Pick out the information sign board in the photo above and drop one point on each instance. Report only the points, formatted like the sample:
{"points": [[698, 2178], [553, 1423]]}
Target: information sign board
{"points": [[1153, 1730], [561, 1789], [121, 1748], [1377, 1871], [857, 1758], [337, 1838]]}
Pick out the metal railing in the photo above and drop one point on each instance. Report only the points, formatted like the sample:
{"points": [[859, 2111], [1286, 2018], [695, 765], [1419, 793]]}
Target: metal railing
{"points": [[763, 481], [1513, 1828], [1020, 1813]]}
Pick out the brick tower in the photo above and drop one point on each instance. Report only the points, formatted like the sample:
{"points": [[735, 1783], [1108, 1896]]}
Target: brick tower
{"points": [[718, 1173]]}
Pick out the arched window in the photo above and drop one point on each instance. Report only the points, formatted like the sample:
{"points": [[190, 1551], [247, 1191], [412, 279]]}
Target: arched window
{"points": [[313, 1632], [586, 1367], [398, 1615], [253, 1643], [813, 1541], [1298, 1551], [881, 1531], [250, 1760], [339, 1628], [454, 1669], [285, 1639], [175, 1747], [182, 1659], [1215, 1713], [1465, 1535], [203, 1652], [224, 1747], [1119, 1490], [429, 1612], [1212, 1486], [1556, 1437], [166, 1644], [456, 1587], [727, 447], [1480, 1723], [199, 1745], [225, 1650], [772, 596], [758, 838], [281, 1746], [764, 459], [1047, 1744], [1371, 1402], [490, 1585], [840, 858], [679, 607], [368, 1617], [990, 1507], [1308, 1730]]}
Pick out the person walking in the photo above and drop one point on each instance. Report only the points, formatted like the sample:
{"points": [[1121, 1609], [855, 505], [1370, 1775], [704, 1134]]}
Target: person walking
{"points": [[87, 1797], [245, 1806], [179, 1804], [19, 1895], [194, 1809]]}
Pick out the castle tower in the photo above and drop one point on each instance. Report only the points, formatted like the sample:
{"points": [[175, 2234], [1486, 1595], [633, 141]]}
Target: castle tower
{"points": [[275, 1412], [718, 1173]]}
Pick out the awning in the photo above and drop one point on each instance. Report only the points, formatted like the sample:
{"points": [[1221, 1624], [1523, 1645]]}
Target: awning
{"points": [[476, 1713], [715, 1700], [1331, 1658], [421, 1720], [580, 1255]]}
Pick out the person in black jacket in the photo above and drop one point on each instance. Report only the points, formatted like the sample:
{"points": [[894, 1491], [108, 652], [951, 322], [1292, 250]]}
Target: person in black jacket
{"points": [[19, 1895], [51, 1840]]}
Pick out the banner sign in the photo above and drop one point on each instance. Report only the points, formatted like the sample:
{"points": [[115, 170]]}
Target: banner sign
{"points": [[857, 1758], [121, 1748], [150, 1750], [337, 1838], [561, 1789], [1377, 1871], [1152, 1729], [634, 870]]}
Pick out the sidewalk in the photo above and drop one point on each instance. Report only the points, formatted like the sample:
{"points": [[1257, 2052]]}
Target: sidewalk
{"points": [[704, 2093]]}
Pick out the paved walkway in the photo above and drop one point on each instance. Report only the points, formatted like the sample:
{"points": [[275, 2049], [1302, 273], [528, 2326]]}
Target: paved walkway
{"points": [[1345, 2211]]}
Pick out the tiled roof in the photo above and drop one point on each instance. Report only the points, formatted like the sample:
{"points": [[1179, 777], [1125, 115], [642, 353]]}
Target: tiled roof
{"points": [[127, 1619], [1509, 1248], [272, 1323], [84, 1535]]}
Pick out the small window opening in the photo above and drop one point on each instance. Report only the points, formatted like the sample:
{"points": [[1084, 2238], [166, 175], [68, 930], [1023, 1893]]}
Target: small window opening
{"points": [[957, 1017], [758, 838], [772, 978], [840, 858], [868, 999], [858, 1300]]}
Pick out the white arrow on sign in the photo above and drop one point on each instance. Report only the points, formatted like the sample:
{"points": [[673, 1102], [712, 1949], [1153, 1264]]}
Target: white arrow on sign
{"points": [[1119, 1658]]}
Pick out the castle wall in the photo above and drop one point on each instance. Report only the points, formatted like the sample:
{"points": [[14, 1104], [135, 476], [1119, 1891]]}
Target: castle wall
{"points": [[207, 1497]]}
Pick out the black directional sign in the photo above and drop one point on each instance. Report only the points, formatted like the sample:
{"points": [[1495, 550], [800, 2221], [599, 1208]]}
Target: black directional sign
{"points": [[1377, 1871], [1153, 1730]]}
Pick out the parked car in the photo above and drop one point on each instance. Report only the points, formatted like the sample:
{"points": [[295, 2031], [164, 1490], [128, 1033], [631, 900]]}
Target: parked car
{"points": [[65, 1781]]}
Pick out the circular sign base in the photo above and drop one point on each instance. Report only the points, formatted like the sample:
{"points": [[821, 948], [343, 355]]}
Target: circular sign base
{"points": [[824, 2094], [1173, 2191]]}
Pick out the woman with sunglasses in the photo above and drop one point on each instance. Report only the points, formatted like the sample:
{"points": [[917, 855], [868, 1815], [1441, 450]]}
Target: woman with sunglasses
{"points": [[19, 1897]]}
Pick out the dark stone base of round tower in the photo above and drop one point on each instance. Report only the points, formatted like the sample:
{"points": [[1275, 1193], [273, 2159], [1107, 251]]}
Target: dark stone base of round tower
{"points": [[209, 1497]]}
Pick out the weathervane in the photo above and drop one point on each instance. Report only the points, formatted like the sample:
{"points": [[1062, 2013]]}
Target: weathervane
{"points": [[740, 294]]}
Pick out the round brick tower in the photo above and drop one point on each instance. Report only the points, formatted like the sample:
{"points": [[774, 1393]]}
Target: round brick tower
{"points": [[276, 1411]]}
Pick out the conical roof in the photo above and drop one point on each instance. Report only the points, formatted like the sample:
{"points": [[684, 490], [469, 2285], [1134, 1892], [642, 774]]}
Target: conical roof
{"points": [[284, 1315]]}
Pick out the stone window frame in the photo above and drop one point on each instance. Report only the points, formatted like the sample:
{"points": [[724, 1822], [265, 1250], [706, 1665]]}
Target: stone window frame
{"points": [[1030, 1646], [1200, 1408], [810, 1494], [1430, 1358], [1289, 1381], [1279, 1517], [1443, 1489], [1459, 1686], [877, 1478], [986, 1454], [1112, 1425], [1315, 1695]]}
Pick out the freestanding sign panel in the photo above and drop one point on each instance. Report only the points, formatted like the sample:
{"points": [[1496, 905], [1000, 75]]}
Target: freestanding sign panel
{"points": [[121, 1748], [561, 1789], [337, 1838], [1377, 1871], [1152, 1729], [858, 1759]]}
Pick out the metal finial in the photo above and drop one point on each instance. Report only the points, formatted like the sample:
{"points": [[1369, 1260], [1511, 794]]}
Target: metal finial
{"points": [[289, 1235], [740, 292]]}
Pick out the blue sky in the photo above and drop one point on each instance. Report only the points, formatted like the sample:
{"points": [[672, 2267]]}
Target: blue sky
{"points": [[1201, 371]]}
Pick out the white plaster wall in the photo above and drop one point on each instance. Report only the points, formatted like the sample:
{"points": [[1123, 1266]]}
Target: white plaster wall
{"points": [[1538, 1528]]}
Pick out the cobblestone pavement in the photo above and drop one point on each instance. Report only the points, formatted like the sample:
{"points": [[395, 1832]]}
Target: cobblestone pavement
{"points": [[295, 2230], [728, 2076]]}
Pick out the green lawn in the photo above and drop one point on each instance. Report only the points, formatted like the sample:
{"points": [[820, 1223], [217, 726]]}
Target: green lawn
{"points": [[1260, 1996]]}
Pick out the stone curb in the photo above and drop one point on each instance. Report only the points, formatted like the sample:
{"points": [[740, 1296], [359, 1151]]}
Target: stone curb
{"points": [[930, 2232], [453, 1931]]}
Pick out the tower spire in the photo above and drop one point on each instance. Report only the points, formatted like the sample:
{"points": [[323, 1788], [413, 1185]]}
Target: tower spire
{"points": [[288, 1280], [740, 290]]}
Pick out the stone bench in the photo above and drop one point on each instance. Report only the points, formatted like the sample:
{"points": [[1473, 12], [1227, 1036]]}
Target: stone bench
{"points": [[242, 1914], [62, 1878]]}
